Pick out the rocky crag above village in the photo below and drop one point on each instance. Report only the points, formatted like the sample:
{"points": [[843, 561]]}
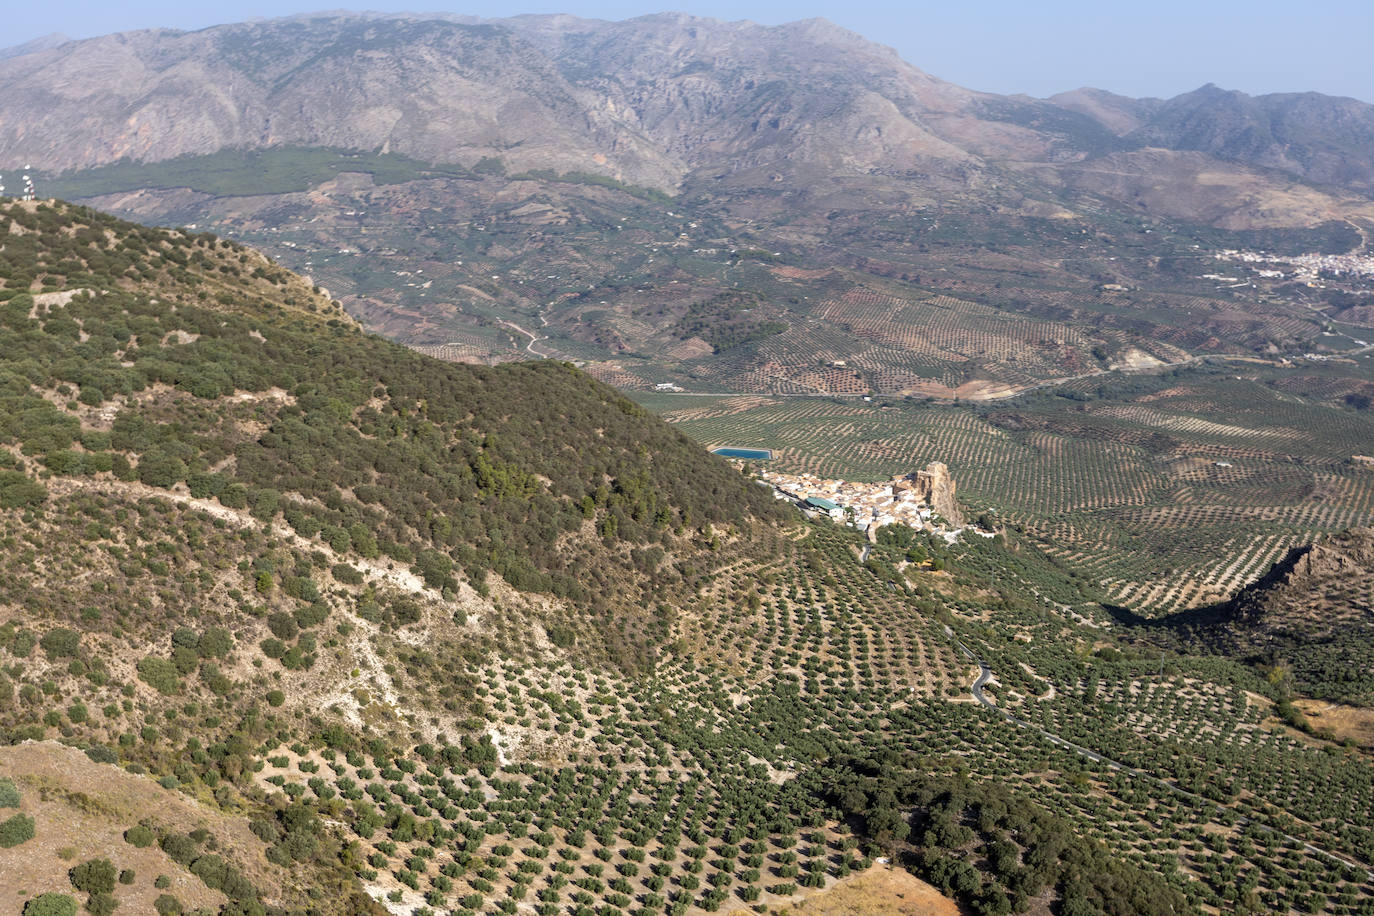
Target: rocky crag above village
{"points": [[923, 499]]}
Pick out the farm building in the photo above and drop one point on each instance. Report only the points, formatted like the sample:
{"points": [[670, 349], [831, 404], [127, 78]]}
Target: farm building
{"points": [[823, 505]]}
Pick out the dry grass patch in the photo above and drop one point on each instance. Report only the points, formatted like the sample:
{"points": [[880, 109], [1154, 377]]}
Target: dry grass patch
{"points": [[880, 891], [81, 810], [1353, 722]]}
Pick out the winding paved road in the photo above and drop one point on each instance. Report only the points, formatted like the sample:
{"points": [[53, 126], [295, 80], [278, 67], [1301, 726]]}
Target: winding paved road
{"points": [[985, 675]]}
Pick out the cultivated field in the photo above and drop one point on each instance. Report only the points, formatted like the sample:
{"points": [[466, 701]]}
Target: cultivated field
{"points": [[1168, 497]]}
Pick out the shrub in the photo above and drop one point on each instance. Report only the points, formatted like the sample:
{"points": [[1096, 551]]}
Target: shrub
{"points": [[265, 830], [160, 470], [337, 537], [16, 830], [184, 659], [283, 626], [275, 698], [9, 793], [22, 644], [312, 615], [61, 643], [167, 905], [16, 491], [51, 904], [139, 836], [160, 674], [301, 587], [180, 849], [215, 643], [101, 904], [264, 504], [204, 485], [99, 753], [94, 877], [234, 496]]}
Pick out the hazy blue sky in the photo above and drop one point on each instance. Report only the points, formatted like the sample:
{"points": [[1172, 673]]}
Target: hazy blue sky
{"points": [[1039, 48]]}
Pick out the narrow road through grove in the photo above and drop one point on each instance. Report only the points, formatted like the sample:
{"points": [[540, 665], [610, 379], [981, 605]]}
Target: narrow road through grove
{"points": [[529, 347]]}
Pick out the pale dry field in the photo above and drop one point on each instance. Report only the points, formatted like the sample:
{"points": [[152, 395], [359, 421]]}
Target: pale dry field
{"points": [[1353, 722], [81, 810], [880, 891]]}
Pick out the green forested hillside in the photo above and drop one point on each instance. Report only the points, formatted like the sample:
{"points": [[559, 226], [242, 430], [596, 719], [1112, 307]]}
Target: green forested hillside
{"points": [[534, 472]]}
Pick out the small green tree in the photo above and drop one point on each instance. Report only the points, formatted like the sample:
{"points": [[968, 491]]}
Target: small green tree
{"points": [[61, 643], [9, 793]]}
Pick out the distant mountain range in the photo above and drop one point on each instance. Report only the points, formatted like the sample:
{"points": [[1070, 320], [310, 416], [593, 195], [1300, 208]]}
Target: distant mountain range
{"points": [[655, 101], [720, 205]]}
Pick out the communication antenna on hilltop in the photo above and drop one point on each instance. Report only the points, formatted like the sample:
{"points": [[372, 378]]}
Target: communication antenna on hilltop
{"points": [[29, 193]]}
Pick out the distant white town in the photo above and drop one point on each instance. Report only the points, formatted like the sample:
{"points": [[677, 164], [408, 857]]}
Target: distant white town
{"points": [[1305, 268], [923, 500]]}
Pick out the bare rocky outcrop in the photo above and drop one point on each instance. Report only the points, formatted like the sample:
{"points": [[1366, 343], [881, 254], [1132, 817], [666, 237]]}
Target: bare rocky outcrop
{"points": [[1313, 593], [935, 487]]}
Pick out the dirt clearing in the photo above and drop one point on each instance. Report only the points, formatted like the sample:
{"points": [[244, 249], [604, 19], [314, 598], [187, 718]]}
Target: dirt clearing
{"points": [[880, 891], [1353, 722]]}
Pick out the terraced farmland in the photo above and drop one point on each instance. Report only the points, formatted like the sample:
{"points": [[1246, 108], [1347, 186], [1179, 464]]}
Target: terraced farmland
{"points": [[689, 791], [1170, 496]]}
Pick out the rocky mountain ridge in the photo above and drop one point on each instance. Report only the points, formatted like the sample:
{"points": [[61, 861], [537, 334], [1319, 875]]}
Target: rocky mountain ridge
{"points": [[1312, 592], [654, 100], [1310, 617]]}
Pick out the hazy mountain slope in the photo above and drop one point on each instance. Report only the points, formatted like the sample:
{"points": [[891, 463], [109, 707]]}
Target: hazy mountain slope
{"points": [[1118, 113], [717, 93], [42, 43], [439, 90], [648, 100], [1194, 186], [1322, 139], [641, 100]]}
